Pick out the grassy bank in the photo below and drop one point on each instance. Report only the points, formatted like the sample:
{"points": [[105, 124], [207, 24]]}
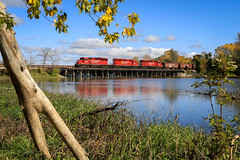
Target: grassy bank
{"points": [[114, 134], [39, 72]]}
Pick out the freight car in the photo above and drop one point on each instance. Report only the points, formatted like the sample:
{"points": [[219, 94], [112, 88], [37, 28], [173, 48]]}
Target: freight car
{"points": [[91, 61], [150, 64], [186, 66], [171, 65], [119, 62]]}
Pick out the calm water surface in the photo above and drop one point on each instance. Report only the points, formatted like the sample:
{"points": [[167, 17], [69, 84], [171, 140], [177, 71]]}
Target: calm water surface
{"points": [[161, 96]]}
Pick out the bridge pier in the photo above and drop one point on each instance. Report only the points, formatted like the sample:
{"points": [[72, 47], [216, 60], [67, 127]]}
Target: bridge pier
{"points": [[65, 73], [73, 74], [88, 74]]}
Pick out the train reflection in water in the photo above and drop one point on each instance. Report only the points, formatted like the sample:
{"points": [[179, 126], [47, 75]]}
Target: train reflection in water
{"points": [[119, 88]]}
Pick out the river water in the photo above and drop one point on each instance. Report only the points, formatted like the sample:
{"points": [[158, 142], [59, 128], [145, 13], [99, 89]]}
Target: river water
{"points": [[164, 97]]}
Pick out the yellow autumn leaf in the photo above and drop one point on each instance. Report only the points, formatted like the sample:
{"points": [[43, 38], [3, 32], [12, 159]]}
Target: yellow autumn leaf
{"points": [[59, 1], [106, 17], [109, 10], [51, 13], [105, 30]]}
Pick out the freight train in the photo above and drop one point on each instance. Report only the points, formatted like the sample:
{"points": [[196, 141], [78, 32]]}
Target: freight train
{"points": [[129, 63]]}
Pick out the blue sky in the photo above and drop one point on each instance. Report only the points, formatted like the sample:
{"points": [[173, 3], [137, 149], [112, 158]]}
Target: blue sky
{"points": [[188, 26]]}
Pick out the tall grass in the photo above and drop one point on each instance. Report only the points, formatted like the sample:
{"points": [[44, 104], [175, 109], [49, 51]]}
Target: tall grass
{"points": [[113, 134]]}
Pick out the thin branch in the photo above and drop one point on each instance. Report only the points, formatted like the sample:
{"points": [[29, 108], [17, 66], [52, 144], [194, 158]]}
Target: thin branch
{"points": [[92, 17]]}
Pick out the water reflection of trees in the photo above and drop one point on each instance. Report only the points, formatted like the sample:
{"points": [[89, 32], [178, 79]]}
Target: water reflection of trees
{"points": [[171, 95]]}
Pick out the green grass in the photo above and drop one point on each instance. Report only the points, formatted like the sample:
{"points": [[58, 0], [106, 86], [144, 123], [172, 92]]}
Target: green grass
{"points": [[113, 134]]}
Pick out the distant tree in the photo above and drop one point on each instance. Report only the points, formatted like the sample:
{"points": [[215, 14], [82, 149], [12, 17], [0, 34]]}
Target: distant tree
{"points": [[173, 56], [136, 58], [54, 58], [182, 59], [203, 62], [30, 60], [147, 57], [197, 61], [238, 39], [45, 55], [233, 50], [169, 56]]}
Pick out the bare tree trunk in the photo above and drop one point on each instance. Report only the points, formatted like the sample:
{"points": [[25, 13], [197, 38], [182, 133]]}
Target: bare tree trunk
{"points": [[31, 98]]}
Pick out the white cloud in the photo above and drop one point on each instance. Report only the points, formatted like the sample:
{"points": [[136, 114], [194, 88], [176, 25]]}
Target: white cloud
{"points": [[18, 20], [29, 37], [66, 58], [62, 42], [196, 46], [130, 39], [152, 38], [31, 49], [120, 52], [91, 43], [170, 38], [192, 54], [13, 3]]}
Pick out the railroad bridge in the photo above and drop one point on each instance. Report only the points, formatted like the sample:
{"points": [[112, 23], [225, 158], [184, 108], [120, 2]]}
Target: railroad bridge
{"points": [[119, 72], [110, 72]]}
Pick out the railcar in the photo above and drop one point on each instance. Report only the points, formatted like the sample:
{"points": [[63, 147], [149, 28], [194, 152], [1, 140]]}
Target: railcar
{"points": [[119, 62], [186, 66], [91, 62], [171, 65], [150, 64]]}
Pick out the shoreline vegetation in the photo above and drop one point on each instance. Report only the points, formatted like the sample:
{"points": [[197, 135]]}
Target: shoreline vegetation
{"points": [[105, 133]]}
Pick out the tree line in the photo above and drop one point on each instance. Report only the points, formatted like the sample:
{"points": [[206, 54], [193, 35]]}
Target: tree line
{"points": [[169, 56], [204, 61]]}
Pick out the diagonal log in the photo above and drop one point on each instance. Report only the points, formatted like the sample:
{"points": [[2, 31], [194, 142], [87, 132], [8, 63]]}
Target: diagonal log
{"points": [[31, 98]]}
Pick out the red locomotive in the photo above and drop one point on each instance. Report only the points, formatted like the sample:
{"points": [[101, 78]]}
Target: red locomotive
{"points": [[124, 62], [130, 63], [150, 63], [89, 61]]}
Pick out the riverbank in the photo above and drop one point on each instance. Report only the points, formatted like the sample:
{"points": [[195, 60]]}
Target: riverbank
{"points": [[112, 134]]}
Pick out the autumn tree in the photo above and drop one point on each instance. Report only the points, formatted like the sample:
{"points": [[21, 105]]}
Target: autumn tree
{"points": [[203, 62], [184, 60], [169, 56], [31, 98], [232, 49], [147, 57], [197, 61], [136, 58]]}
